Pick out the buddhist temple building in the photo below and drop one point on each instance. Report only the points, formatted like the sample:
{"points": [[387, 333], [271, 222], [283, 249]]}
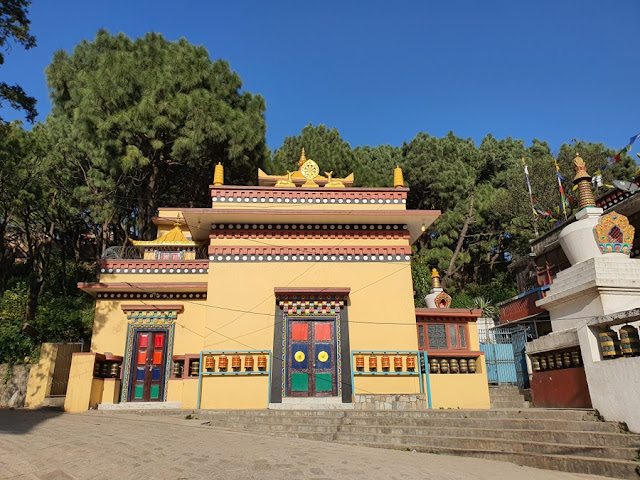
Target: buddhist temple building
{"points": [[288, 294]]}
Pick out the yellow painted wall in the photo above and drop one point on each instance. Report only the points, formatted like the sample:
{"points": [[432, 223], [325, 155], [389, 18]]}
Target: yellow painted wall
{"points": [[174, 390], [459, 391], [190, 393], [231, 392], [111, 390], [38, 385], [386, 384], [82, 391]]}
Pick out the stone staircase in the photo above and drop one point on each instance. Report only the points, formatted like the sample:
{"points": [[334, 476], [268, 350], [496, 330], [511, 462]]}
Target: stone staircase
{"points": [[567, 440], [507, 396]]}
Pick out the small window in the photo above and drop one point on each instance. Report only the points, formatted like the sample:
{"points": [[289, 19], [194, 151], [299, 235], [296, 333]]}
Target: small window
{"points": [[463, 337], [437, 336], [452, 336]]}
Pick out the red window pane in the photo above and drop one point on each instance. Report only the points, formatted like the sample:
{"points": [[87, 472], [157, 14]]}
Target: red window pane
{"points": [[159, 340], [299, 331], [323, 331], [157, 357], [142, 358], [144, 339]]}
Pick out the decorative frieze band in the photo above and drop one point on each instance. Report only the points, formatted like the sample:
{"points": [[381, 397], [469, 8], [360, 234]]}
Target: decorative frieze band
{"points": [[150, 295], [309, 254], [305, 196], [311, 231], [153, 266], [317, 305]]}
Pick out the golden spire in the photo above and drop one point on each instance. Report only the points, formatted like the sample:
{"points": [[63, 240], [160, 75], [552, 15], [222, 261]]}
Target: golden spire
{"points": [[218, 175], [398, 179], [435, 279], [583, 180], [177, 222], [303, 158]]}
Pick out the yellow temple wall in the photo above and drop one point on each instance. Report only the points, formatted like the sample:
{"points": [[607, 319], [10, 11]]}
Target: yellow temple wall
{"points": [[461, 390], [230, 392], [83, 391]]}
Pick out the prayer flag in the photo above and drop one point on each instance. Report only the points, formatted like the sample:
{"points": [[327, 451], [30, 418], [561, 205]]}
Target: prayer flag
{"points": [[633, 139]]}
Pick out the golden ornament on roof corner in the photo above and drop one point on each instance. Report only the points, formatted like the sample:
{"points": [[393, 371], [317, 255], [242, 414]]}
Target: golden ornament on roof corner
{"points": [[398, 179], [310, 171], [583, 180], [286, 183], [218, 175], [332, 182]]}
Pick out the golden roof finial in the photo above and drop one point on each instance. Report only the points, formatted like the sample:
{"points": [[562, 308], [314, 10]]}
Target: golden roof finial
{"points": [[435, 279], [583, 180], [177, 222], [218, 175], [303, 158], [398, 179]]}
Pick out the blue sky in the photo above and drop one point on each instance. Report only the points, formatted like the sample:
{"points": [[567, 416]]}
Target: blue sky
{"points": [[382, 71]]}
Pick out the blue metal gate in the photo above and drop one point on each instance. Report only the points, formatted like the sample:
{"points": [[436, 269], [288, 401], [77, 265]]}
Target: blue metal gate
{"points": [[504, 356]]}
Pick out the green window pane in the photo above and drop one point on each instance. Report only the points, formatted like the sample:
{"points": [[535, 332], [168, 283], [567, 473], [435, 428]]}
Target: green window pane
{"points": [[299, 382], [137, 393], [155, 391], [324, 382]]}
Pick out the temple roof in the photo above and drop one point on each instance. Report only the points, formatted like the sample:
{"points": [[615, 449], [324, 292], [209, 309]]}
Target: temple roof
{"points": [[173, 238], [302, 178]]}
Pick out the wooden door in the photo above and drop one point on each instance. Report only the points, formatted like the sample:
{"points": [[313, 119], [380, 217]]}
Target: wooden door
{"points": [[311, 358], [147, 371]]}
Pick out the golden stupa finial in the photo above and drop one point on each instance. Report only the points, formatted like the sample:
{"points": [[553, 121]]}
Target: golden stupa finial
{"points": [[583, 180], [218, 175], [177, 222], [303, 158], [435, 279], [398, 179]]}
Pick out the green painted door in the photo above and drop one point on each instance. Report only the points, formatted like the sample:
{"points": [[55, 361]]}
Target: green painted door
{"points": [[311, 358], [147, 369]]}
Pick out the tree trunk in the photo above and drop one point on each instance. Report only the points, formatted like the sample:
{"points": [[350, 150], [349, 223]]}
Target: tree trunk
{"points": [[461, 237], [149, 206]]}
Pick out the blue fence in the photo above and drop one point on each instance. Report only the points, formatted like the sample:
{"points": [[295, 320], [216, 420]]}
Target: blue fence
{"points": [[504, 356]]}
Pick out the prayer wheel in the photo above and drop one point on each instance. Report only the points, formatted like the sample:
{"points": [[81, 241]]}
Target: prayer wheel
{"points": [[223, 363], [236, 363], [177, 369], [551, 361], [373, 363], [248, 362], [397, 362], [453, 366], [558, 360], [195, 368], [535, 364], [472, 365], [96, 369], [209, 362], [575, 358], [262, 362], [104, 369], [629, 341], [610, 344], [411, 363], [566, 359], [463, 365], [543, 362], [444, 366], [435, 365], [115, 370], [386, 363], [360, 362]]}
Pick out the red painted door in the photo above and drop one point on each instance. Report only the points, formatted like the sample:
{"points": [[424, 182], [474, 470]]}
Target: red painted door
{"points": [[147, 376], [311, 358]]}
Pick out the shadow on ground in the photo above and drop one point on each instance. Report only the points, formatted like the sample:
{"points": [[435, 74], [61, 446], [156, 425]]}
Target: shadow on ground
{"points": [[21, 421]]}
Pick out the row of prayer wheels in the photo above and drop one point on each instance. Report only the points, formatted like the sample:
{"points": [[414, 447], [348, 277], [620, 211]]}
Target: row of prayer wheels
{"points": [[452, 365], [385, 362], [628, 344], [553, 361], [236, 362], [106, 369]]}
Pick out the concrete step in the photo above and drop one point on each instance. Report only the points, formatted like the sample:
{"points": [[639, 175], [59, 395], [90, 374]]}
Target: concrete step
{"points": [[518, 403], [53, 402], [567, 463], [120, 407], [503, 445]]}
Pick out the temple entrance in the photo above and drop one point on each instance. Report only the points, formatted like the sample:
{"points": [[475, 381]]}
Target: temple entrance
{"points": [[311, 357], [147, 366]]}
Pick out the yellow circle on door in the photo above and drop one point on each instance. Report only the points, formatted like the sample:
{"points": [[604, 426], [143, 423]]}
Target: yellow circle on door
{"points": [[323, 356], [299, 356]]}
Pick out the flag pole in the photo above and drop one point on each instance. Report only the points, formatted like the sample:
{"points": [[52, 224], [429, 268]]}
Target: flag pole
{"points": [[533, 210], [563, 199]]}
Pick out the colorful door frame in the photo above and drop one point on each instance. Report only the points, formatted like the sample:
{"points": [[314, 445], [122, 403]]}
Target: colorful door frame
{"points": [[296, 305], [149, 320]]}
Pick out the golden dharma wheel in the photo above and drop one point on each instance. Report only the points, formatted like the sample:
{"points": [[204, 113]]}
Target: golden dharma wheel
{"points": [[453, 366], [543, 362], [472, 365], [223, 362], [551, 361], [360, 362], [566, 359], [575, 358], [195, 368], [629, 341], [397, 362], [444, 366], [463, 365], [248, 362], [373, 362], [386, 363], [236, 362], [535, 364], [558, 360], [209, 362], [435, 365], [262, 362], [610, 344], [411, 363]]}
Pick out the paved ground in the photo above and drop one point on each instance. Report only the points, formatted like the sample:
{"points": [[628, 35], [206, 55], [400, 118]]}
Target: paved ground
{"points": [[50, 445]]}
